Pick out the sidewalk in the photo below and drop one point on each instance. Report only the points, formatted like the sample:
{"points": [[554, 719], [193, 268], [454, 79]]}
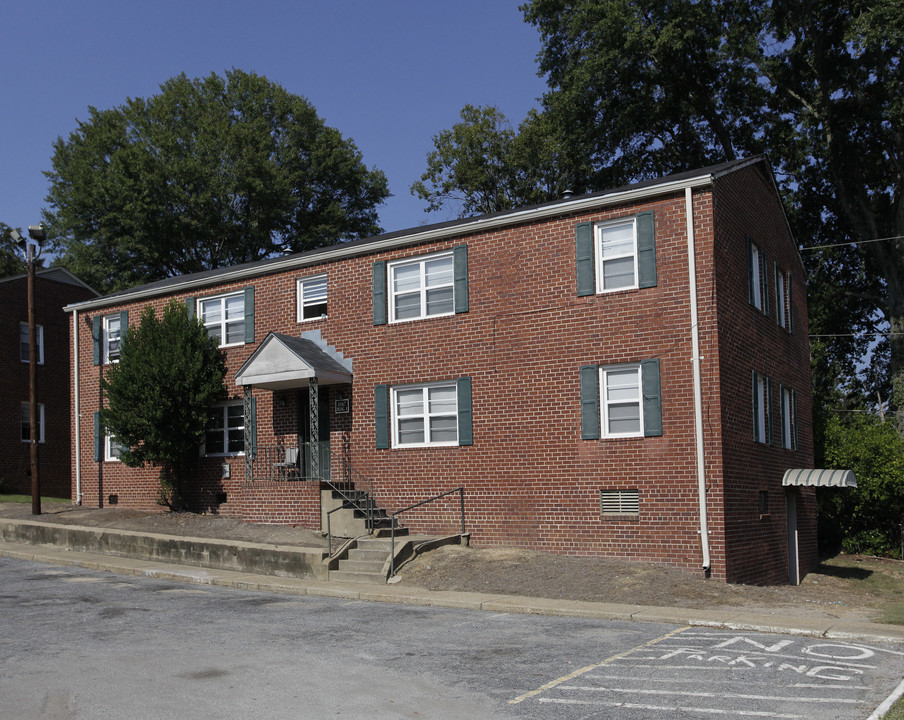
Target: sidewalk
{"points": [[122, 551]]}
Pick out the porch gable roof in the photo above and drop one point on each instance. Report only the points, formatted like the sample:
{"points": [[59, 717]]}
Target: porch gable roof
{"points": [[282, 361]]}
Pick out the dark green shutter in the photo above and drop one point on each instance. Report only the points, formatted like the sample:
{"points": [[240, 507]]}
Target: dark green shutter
{"points": [[646, 250], [794, 420], [790, 307], [756, 409], [783, 411], [768, 404], [123, 324], [590, 402], [764, 279], [465, 426], [190, 307], [460, 267], [777, 278], [249, 314], [98, 439], [97, 338], [381, 416], [652, 398], [583, 235], [751, 292], [379, 292]]}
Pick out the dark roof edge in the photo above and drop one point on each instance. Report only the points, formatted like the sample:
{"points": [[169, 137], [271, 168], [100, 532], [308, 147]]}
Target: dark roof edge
{"points": [[70, 279], [411, 236]]}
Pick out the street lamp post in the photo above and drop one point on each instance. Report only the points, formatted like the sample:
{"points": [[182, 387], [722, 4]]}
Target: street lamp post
{"points": [[36, 233]]}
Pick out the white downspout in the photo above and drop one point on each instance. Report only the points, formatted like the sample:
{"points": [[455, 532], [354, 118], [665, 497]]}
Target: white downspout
{"points": [[77, 415], [698, 393]]}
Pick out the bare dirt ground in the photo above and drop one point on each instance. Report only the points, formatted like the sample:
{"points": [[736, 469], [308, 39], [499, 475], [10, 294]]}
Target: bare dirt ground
{"points": [[846, 587]]}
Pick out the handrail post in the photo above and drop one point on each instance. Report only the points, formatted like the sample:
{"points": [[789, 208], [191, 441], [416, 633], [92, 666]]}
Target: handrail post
{"points": [[461, 492]]}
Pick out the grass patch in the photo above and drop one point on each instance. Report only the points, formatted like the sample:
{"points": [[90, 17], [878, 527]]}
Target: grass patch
{"points": [[27, 499], [896, 712], [879, 577]]}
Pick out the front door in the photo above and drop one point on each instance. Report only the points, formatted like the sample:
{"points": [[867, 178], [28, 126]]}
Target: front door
{"points": [[308, 444]]}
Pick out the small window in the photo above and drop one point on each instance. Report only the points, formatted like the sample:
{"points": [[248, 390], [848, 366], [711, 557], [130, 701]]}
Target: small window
{"points": [[757, 277], [312, 298], [619, 503], [425, 415], [762, 408], [616, 255], [226, 430], [24, 355], [26, 422], [422, 288], [764, 502], [224, 318], [621, 401], [112, 338], [789, 421], [112, 449]]}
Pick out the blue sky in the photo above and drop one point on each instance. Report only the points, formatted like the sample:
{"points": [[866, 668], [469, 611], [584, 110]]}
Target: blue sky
{"points": [[389, 74]]}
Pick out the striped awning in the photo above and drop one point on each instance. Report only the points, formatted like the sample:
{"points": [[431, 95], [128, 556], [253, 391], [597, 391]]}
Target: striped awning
{"points": [[817, 477]]}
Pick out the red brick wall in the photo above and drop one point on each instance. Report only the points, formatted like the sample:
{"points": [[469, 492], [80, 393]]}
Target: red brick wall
{"points": [[529, 479], [52, 385], [751, 340]]}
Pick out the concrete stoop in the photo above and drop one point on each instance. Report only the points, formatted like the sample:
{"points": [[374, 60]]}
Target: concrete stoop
{"points": [[369, 559], [256, 558]]}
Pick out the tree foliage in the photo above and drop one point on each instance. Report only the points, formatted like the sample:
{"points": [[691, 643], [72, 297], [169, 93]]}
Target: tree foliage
{"points": [[11, 262], [644, 89], [867, 519], [208, 173], [158, 396]]}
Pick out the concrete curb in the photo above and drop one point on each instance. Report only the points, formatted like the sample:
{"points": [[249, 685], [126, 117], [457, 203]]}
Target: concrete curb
{"points": [[740, 621]]}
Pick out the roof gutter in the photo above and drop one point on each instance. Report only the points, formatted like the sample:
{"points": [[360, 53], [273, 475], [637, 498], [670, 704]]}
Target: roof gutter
{"points": [[466, 227]]}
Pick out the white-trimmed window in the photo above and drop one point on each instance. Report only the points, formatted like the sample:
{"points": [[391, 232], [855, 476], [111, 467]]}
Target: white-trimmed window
{"points": [[762, 408], [112, 338], [421, 288], [224, 318], [24, 355], [789, 419], [26, 422], [621, 405], [226, 431], [312, 298], [425, 415], [757, 277], [112, 449], [616, 255]]}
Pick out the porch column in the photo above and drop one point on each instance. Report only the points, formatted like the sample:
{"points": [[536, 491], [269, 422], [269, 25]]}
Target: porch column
{"points": [[248, 406], [314, 411]]}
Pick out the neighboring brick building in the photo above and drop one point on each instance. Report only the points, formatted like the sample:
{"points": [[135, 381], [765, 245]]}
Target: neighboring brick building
{"points": [[54, 288], [622, 374]]}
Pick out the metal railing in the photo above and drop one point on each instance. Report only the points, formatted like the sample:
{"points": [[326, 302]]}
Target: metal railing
{"points": [[356, 492], [291, 462], [392, 520]]}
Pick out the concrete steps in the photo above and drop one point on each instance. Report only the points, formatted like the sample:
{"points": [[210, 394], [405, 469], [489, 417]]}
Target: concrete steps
{"points": [[365, 563]]}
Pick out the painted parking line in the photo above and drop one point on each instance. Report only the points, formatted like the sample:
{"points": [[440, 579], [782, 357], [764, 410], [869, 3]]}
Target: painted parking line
{"points": [[742, 674]]}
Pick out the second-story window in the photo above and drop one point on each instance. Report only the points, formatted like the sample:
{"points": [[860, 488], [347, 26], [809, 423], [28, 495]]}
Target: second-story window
{"points": [[312, 298], [422, 288], [24, 354], [224, 318], [112, 338]]}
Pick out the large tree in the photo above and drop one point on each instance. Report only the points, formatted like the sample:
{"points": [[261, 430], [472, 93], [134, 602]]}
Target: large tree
{"points": [[208, 173], [159, 394], [640, 89]]}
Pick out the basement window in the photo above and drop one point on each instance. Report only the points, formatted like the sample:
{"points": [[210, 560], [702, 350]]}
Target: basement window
{"points": [[619, 503]]}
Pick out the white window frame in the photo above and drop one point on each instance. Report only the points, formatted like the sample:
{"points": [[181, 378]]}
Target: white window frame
{"points": [[422, 290], [762, 416], [788, 419], [600, 259], [223, 323], [25, 419], [24, 347], [224, 429], [425, 414], [308, 287], [781, 298], [605, 403], [112, 449], [108, 321]]}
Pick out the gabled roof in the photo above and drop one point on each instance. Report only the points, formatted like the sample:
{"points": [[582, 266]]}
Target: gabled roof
{"points": [[56, 274], [438, 231], [282, 361]]}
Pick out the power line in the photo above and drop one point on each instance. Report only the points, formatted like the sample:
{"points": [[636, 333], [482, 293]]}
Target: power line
{"points": [[852, 242], [865, 334]]}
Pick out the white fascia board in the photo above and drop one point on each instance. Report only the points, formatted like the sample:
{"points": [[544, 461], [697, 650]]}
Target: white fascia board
{"points": [[466, 227]]}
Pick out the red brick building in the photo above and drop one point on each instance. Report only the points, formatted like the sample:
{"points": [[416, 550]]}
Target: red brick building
{"points": [[622, 374], [54, 288]]}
